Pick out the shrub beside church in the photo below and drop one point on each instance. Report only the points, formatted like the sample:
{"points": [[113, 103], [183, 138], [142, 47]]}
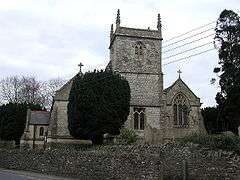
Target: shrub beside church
{"points": [[98, 104]]}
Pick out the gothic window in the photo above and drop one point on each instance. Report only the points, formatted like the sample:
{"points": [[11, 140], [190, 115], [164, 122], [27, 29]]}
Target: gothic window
{"points": [[175, 114], [185, 112], [180, 111], [139, 118], [139, 48], [41, 131]]}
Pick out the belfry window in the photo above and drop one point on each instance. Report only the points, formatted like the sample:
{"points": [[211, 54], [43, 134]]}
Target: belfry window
{"points": [[139, 118], [139, 48], [180, 111]]}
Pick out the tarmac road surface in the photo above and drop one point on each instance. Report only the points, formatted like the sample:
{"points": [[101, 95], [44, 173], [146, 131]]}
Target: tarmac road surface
{"points": [[22, 175]]}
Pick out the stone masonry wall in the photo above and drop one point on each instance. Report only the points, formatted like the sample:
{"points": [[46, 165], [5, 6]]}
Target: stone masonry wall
{"points": [[59, 121], [125, 59], [194, 117], [152, 115], [145, 89]]}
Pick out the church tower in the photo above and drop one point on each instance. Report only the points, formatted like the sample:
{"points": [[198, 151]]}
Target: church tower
{"points": [[136, 55]]}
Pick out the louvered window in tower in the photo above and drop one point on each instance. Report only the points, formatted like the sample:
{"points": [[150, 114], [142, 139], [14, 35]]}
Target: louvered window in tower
{"points": [[139, 48]]}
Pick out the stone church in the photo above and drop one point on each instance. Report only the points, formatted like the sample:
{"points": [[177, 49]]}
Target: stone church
{"points": [[156, 113]]}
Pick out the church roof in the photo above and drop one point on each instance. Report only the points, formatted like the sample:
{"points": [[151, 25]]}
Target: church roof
{"points": [[39, 117], [63, 93], [179, 80]]}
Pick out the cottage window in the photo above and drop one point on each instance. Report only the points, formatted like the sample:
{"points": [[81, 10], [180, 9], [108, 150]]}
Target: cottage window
{"points": [[41, 131], [139, 118]]}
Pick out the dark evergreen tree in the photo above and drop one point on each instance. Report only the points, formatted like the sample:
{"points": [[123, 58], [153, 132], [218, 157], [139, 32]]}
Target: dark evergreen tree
{"points": [[212, 122], [13, 120], [227, 39], [98, 104]]}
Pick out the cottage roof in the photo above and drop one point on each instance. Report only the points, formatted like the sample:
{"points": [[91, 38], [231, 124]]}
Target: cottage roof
{"points": [[39, 117]]}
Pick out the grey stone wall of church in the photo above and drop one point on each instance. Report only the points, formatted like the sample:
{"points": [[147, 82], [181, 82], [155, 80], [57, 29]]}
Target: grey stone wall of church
{"points": [[152, 120], [59, 121], [124, 59], [145, 89], [142, 71], [195, 118], [172, 131]]}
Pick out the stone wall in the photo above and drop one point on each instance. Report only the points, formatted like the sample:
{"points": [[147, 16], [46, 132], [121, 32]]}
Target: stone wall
{"points": [[145, 89], [126, 162], [142, 71], [59, 120], [124, 58], [194, 117], [152, 120]]}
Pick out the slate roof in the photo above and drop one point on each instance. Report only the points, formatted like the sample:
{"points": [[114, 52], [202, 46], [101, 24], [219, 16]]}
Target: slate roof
{"points": [[39, 117]]}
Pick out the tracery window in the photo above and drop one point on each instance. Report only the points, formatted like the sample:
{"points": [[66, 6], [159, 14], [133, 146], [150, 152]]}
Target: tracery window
{"points": [[139, 48], [180, 110], [139, 118]]}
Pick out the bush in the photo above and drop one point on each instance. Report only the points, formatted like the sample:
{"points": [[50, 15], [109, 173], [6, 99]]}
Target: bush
{"points": [[98, 105], [7, 144], [127, 136], [13, 120], [220, 141]]}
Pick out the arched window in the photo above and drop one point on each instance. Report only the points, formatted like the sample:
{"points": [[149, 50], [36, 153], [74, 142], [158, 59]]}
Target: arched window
{"points": [[139, 118], [175, 114], [180, 110], [136, 121], [41, 131], [139, 48], [185, 114]]}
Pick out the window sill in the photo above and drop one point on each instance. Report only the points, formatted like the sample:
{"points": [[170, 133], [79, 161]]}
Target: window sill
{"points": [[139, 130], [181, 126]]}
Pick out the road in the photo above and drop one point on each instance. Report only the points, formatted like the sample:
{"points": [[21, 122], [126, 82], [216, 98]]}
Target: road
{"points": [[22, 175]]}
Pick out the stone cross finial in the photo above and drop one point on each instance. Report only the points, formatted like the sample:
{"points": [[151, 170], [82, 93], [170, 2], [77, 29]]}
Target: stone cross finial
{"points": [[80, 66], [179, 72], [118, 21], [159, 23]]}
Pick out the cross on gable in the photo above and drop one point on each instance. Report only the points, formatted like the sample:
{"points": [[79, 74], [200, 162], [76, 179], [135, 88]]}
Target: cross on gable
{"points": [[80, 66], [179, 72]]}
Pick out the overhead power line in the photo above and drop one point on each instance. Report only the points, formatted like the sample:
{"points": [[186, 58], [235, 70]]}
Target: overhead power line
{"points": [[188, 43], [195, 29], [188, 37], [187, 57], [187, 50]]}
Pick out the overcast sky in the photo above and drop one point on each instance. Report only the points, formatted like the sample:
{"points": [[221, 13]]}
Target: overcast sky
{"points": [[48, 38]]}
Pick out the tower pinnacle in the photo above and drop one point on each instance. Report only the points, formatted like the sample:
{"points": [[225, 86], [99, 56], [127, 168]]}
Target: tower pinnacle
{"points": [[159, 23], [118, 21], [111, 32]]}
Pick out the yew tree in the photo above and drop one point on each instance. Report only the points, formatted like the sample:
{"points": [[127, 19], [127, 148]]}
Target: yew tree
{"points": [[98, 104], [13, 120]]}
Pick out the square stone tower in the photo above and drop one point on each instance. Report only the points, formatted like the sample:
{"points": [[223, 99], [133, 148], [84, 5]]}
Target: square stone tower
{"points": [[136, 55]]}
